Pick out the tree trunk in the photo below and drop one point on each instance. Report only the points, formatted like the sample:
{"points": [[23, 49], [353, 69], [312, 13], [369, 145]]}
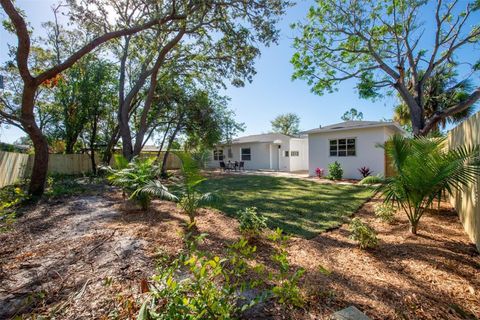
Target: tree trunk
{"points": [[40, 144], [170, 142], [413, 227], [107, 155], [159, 153], [69, 144], [93, 138], [416, 111]]}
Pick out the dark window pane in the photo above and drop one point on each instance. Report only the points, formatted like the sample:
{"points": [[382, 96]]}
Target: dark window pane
{"points": [[351, 141], [342, 153], [333, 142], [342, 141], [351, 152], [333, 153]]}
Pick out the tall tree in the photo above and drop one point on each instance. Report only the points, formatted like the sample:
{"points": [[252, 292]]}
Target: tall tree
{"points": [[442, 91], [33, 79], [352, 114], [219, 38], [385, 44], [287, 123]]}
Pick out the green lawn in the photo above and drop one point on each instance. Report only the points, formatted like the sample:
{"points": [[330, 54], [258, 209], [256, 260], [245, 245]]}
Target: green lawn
{"points": [[299, 207]]}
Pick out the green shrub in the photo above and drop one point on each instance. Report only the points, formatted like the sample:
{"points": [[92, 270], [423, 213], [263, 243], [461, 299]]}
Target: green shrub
{"points": [[139, 181], [11, 197], [335, 171], [378, 179], [198, 285], [251, 222], [385, 212], [363, 234], [286, 290]]}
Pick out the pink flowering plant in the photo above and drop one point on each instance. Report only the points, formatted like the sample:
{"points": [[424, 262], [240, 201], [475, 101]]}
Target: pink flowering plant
{"points": [[319, 172]]}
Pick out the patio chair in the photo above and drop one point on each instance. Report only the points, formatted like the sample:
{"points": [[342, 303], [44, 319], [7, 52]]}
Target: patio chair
{"points": [[236, 166], [223, 167], [241, 166]]}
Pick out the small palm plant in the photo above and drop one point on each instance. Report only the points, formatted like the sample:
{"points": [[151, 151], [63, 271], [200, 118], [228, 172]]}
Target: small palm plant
{"points": [[138, 179], [191, 199], [426, 170]]}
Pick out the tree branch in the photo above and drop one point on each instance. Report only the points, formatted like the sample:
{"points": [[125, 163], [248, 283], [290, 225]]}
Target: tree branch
{"points": [[23, 50], [439, 115]]}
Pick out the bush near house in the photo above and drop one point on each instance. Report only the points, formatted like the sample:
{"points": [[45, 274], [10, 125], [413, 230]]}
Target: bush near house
{"points": [[335, 171], [365, 171]]}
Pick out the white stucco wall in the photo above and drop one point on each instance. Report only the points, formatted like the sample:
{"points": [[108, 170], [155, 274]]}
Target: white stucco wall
{"points": [[300, 162], [260, 156], [367, 153], [267, 155]]}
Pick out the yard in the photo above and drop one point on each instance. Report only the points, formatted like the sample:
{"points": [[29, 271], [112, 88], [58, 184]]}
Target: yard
{"points": [[87, 255], [299, 207]]}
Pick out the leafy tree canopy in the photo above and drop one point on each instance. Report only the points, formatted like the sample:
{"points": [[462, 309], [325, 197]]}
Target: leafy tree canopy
{"points": [[387, 45], [287, 123]]}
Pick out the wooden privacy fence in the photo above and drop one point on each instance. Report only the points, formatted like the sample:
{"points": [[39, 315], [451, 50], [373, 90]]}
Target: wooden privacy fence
{"points": [[467, 200], [13, 167], [17, 166]]}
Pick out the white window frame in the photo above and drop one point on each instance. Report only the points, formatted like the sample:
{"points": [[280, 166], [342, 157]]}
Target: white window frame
{"points": [[218, 155], [338, 151], [246, 154], [294, 153]]}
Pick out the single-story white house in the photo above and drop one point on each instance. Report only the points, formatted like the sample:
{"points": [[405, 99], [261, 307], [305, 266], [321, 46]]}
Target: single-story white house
{"points": [[353, 144], [271, 151]]}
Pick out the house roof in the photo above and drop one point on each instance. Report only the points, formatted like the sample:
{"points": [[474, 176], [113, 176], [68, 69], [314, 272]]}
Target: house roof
{"points": [[266, 137], [353, 125]]}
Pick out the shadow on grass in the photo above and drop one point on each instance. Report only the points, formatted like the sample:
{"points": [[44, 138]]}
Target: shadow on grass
{"points": [[299, 207]]}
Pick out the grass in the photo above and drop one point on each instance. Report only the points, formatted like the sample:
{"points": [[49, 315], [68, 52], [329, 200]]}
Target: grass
{"points": [[299, 207]]}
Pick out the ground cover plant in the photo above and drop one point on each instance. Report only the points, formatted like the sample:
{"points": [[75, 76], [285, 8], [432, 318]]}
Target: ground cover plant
{"points": [[363, 234], [200, 285], [299, 207], [11, 198], [385, 212], [251, 222]]}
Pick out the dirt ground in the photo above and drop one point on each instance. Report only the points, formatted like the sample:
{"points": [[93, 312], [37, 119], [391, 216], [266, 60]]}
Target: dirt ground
{"points": [[85, 258]]}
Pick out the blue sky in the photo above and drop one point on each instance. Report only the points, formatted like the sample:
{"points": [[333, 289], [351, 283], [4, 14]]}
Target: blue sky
{"points": [[271, 93]]}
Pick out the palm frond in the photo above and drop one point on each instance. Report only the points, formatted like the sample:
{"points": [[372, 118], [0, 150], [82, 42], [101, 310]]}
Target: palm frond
{"points": [[378, 179], [156, 189]]}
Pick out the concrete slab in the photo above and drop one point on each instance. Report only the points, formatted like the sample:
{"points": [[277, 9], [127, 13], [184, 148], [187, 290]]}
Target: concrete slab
{"points": [[350, 313]]}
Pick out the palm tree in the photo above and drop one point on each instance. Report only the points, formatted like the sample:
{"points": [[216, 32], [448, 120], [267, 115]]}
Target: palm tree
{"points": [[191, 199], [441, 93], [139, 179], [425, 171]]}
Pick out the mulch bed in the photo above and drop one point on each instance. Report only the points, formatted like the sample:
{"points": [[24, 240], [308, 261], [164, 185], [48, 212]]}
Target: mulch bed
{"points": [[85, 257]]}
